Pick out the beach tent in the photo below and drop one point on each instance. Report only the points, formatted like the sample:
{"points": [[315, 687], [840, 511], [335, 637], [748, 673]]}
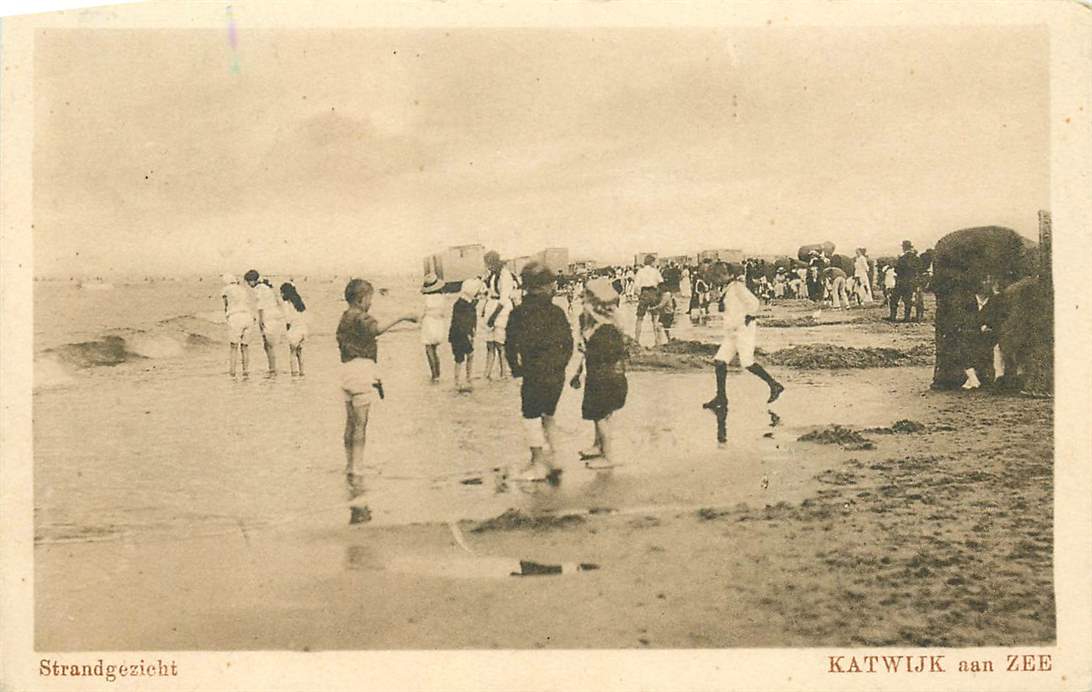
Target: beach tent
{"points": [[966, 262], [804, 252]]}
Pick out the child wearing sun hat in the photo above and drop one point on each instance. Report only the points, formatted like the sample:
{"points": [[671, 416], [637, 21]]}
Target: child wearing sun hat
{"points": [[464, 322], [540, 344], [604, 357], [433, 321]]}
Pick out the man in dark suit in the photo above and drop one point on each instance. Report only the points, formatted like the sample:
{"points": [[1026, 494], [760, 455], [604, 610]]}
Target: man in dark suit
{"points": [[907, 269]]}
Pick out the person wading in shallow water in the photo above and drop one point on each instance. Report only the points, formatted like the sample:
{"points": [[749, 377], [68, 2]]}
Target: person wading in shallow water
{"points": [[740, 332], [240, 322], [540, 344], [500, 286]]}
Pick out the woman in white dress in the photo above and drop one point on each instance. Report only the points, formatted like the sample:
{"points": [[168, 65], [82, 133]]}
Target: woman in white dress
{"points": [[433, 322]]}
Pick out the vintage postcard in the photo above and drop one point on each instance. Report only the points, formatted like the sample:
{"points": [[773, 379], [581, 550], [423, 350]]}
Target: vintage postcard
{"points": [[575, 345]]}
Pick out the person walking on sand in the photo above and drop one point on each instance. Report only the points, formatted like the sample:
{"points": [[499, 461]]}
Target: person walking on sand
{"points": [[464, 322], [240, 322], [361, 385], [270, 317], [740, 332], [295, 322], [433, 322], [500, 285], [540, 344], [604, 362], [647, 284]]}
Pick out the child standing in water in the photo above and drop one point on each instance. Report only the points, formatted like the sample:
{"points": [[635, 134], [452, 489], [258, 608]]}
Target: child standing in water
{"points": [[296, 324], [432, 322], [604, 357], [540, 344], [740, 331], [356, 340], [464, 322], [240, 321]]}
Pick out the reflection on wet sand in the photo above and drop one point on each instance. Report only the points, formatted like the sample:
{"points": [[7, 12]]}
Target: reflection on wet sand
{"points": [[358, 512]]}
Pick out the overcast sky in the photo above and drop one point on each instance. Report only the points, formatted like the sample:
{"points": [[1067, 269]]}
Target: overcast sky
{"points": [[353, 150]]}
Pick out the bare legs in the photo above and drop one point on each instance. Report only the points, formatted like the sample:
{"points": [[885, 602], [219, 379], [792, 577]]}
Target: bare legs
{"points": [[433, 361], [242, 352], [459, 386], [356, 429], [494, 353], [295, 359]]}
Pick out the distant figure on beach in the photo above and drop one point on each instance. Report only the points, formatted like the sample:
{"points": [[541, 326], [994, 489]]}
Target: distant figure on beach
{"points": [[699, 297], [665, 309], [540, 344], [862, 272], [433, 322], [500, 285], [240, 322], [835, 285], [740, 334], [906, 278], [270, 317], [359, 374], [295, 323], [647, 285], [464, 322], [604, 358]]}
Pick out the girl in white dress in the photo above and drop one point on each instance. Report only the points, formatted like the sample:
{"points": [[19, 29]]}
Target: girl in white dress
{"points": [[295, 320], [433, 322]]}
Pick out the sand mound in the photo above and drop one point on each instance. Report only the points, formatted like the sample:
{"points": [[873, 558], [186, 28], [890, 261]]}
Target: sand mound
{"points": [[830, 357], [899, 426], [696, 355], [515, 520], [834, 435]]}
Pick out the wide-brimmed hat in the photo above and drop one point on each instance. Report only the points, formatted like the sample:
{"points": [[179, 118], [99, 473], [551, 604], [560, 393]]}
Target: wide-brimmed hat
{"points": [[601, 291], [432, 284]]}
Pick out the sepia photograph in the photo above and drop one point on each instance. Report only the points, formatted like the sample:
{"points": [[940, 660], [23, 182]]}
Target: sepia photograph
{"points": [[483, 336]]}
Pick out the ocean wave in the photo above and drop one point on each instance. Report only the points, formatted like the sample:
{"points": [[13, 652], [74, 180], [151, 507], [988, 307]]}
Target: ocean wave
{"points": [[111, 350]]}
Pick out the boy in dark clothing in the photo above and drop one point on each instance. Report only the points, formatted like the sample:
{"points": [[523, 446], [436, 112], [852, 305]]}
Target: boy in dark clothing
{"points": [[464, 322], [540, 344]]}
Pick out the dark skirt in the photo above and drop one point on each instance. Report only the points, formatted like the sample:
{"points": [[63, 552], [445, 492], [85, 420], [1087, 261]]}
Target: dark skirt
{"points": [[603, 395]]}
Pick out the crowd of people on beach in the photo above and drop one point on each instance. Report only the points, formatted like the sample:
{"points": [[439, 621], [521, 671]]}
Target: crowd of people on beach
{"points": [[529, 336]]}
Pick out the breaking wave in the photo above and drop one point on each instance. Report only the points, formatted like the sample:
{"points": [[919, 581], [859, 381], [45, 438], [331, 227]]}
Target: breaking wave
{"points": [[170, 338]]}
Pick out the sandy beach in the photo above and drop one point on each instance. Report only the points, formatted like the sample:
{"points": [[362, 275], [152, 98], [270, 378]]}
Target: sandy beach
{"points": [[178, 509]]}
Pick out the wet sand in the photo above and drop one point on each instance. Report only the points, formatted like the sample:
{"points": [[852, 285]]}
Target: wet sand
{"points": [[941, 536]]}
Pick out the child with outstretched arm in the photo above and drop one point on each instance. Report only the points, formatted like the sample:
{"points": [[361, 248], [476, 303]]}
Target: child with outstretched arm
{"points": [[360, 383]]}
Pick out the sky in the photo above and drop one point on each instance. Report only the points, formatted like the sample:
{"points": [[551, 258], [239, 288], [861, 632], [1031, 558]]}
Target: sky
{"points": [[307, 151]]}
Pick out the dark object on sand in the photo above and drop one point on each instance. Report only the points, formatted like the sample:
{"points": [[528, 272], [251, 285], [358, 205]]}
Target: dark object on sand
{"points": [[528, 568], [978, 261], [513, 520], [471, 481]]}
